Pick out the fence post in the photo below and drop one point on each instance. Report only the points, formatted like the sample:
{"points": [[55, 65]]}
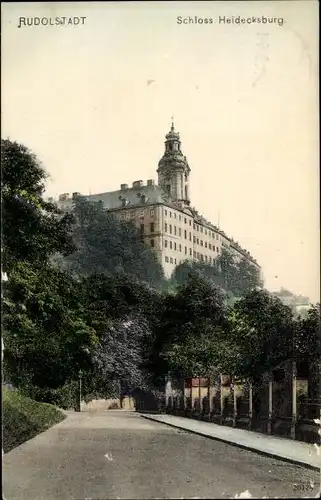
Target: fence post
{"points": [[222, 400], [200, 398], [250, 405], [210, 398], [192, 396], [270, 403], [184, 396], [294, 400], [234, 405]]}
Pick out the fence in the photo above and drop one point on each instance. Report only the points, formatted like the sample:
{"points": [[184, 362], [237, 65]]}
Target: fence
{"points": [[281, 408]]}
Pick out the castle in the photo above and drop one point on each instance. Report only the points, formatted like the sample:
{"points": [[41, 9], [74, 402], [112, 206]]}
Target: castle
{"points": [[163, 213]]}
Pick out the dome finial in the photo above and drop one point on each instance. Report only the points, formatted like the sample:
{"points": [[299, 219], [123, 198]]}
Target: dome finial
{"points": [[172, 127]]}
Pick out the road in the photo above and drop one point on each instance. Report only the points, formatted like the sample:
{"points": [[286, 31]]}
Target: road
{"points": [[122, 455]]}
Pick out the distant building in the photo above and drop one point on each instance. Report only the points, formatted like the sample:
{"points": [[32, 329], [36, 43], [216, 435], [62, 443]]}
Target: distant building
{"points": [[163, 213]]}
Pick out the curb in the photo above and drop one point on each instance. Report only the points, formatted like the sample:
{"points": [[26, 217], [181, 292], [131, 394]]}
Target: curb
{"points": [[237, 445]]}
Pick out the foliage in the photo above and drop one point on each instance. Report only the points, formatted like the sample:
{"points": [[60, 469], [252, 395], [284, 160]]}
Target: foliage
{"points": [[23, 418], [260, 335], [308, 336], [191, 323], [33, 228], [107, 245], [235, 278], [119, 355], [46, 338]]}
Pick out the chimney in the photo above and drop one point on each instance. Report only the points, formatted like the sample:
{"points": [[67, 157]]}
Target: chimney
{"points": [[137, 184], [123, 186], [75, 195], [150, 182]]}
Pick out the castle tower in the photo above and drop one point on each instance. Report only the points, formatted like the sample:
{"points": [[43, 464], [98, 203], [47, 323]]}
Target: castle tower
{"points": [[173, 169]]}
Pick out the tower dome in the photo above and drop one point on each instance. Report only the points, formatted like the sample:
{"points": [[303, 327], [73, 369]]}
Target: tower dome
{"points": [[173, 169]]}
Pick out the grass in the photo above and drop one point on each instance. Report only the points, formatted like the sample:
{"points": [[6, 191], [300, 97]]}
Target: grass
{"points": [[23, 418]]}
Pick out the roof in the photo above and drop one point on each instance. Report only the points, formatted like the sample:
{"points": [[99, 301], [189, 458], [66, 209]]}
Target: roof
{"points": [[133, 197]]}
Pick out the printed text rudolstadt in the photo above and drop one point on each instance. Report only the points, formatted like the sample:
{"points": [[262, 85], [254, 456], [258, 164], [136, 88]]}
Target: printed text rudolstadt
{"points": [[238, 20], [51, 21]]}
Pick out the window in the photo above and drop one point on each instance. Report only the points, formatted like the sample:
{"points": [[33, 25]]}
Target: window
{"points": [[142, 228], [185, 220], [179, 232], [152, 243], [205, 258], [142, 213], [185, 234], [217, 236], [171, 260], [202, 257], [201, 243], [174, 261], [205, 231], [174, 246], [166, 259], [175, 230], [186, 250], [197, 228], [190, 251], [194, 239], [165, 243], [180, 248], [190, 222], [205, 244], [190, 237], [194, 254], [165, 212], [210, 246], [217, 249], [152, 212], [194, 227], [170, 214], [201, 229], [197, 241], [165, 227], [174, 215], [170, 228], [179, 217], [170, 245], [198, 255], [152, 227]]}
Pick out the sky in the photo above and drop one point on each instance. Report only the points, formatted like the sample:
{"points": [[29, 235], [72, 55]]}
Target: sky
{"points": [[94, 101]]}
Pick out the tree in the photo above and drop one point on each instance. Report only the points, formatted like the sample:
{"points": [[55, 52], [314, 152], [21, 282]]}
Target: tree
{"points": [[106, 245], [46, 337], [119, 355], [192, 322], [235, 278], [33, 228], [260, 336]]}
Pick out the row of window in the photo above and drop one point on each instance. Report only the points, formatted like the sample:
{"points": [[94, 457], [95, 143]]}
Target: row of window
{"points": [[173, 230], [141, 213], [168, 212], [196, 255], [151, 227], [174, 246], [195, 226], [200, 242]]}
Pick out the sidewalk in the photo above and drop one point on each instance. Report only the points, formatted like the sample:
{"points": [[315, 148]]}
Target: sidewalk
{"points": [[295, 452]]}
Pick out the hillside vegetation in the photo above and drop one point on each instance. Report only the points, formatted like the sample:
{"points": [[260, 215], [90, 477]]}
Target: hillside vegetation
{"points": [[23, 418]]}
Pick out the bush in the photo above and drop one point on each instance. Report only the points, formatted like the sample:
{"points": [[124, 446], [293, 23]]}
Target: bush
{"points": [[64, 397], [24, 418]]}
